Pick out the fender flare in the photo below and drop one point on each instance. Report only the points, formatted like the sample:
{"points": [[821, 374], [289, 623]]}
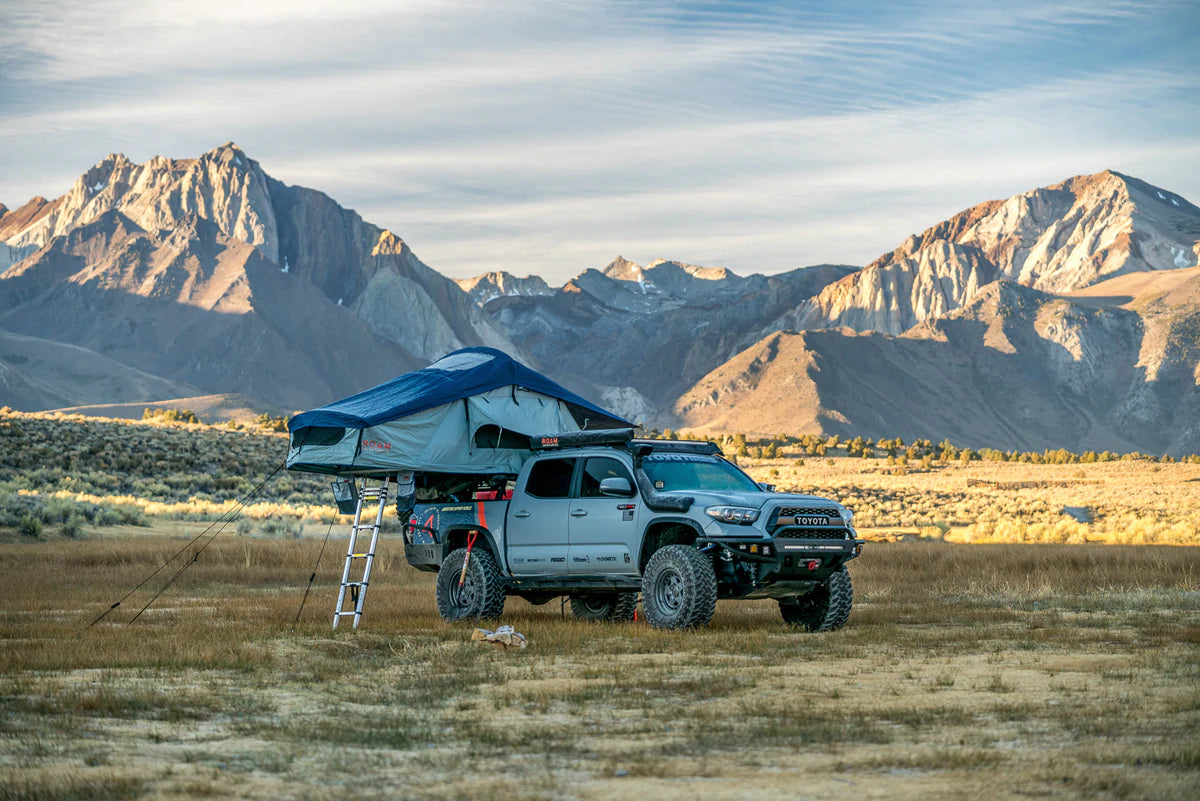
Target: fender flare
{"points": [[455, 536]]}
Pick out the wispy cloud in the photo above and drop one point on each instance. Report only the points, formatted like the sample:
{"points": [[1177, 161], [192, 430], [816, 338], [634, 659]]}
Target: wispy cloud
{"points": [[550, 136]]}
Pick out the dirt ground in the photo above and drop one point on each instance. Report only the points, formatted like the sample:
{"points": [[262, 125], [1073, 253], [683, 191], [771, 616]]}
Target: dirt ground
{"points": [[994, 671]]}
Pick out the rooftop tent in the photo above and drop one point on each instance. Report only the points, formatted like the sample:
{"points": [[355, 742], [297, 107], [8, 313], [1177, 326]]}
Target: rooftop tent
{"points": [[472, 411]]}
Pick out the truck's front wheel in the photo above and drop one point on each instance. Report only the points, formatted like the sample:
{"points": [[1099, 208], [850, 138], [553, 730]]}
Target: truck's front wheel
{"points": [[827, 608], [679, 588], [481, 595], [618, 607]]}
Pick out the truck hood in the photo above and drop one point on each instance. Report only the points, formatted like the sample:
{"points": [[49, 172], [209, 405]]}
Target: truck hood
{"points": [[755, 500]]}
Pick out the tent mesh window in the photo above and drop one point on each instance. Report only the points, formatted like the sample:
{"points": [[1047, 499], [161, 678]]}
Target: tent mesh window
{"points": [[492, 436]]}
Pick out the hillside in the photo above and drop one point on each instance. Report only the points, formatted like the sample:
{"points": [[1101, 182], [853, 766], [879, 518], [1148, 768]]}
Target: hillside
{"points": [[157, 462], [1016, 369], [634, 338], [211, 409], [40, 374]]}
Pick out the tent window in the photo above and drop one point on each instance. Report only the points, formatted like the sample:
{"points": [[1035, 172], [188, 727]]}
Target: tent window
{"points": [[492, 436], [317, 435]]}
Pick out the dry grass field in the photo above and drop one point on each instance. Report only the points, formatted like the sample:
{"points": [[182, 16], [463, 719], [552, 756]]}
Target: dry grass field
{"points": [[994, 671], [1052, 666]]}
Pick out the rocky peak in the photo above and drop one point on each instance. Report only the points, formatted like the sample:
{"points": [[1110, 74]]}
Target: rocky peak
{"points": [[500, 283], [389, 245], [222, 186], [693, 270], [1056, 239], [16, 220], [622, 269]]}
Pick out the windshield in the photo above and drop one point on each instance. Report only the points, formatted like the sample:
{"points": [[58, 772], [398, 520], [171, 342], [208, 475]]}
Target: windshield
{"points": [[669, 472]]}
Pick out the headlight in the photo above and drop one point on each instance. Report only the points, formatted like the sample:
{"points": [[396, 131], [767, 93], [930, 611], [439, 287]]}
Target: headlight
{"points": [[848, 516], [740, 515]]}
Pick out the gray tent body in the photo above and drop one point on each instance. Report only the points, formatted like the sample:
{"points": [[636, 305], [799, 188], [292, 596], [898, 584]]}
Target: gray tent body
{"points": [[441, 439], [487, 400]]}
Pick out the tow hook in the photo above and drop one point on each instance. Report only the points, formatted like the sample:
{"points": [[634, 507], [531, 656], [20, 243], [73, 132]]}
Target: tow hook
{"points": [[813, 564]]}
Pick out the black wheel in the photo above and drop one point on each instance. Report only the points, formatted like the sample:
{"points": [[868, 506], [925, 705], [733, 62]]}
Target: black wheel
{"points": [[824, 609], [679, 588], [481, 595], [613, 606]]}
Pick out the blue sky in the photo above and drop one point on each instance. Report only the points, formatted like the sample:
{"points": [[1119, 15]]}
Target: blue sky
{"points": [[548, 137]]}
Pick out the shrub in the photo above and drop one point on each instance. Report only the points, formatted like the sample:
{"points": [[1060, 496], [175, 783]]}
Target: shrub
{"points": [[30, 526]]}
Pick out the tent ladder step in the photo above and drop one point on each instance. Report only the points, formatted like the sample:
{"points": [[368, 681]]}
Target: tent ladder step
{"points": [[358, 589]]}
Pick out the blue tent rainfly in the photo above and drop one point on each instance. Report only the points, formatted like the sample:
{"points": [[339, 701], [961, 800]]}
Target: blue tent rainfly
{"points": [[472, 411]]}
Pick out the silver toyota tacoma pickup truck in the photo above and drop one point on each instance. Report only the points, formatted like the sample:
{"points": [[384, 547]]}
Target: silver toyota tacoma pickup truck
{"points": [[602, 517]]}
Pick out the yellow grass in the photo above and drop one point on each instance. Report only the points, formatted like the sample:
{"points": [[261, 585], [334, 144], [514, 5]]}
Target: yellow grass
{"points": [[1133, 502]]}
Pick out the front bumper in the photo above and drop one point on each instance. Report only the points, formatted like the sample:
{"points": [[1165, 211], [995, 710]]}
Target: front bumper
{"points": [[782, 566]]}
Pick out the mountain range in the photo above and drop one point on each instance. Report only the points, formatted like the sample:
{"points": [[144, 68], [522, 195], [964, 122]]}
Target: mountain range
{"points": [[1067, 316]]}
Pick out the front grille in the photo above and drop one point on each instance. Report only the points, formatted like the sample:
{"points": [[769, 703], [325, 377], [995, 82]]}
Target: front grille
{"points": [[810, 511], [813, 534]]}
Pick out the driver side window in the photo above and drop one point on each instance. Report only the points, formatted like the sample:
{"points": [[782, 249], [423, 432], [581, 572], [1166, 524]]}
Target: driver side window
{"points": [[598, 468]]}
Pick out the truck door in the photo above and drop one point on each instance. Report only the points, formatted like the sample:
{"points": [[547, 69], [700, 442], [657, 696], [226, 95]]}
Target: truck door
{"points": [[537, 519], [603, 528]]}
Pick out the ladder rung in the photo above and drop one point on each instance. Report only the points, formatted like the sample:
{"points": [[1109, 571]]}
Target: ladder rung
{"points": [[354, 584], [346, 614], [359, 555]]}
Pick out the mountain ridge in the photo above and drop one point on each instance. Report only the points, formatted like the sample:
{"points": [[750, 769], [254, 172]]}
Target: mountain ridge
{"points": [[1016, 368], [1056, 238], [210, 274]]}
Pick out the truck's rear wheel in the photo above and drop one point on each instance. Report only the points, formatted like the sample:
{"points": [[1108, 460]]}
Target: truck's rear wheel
{"points": [[481, 595], [827, 608], [612, 606], [679, 588]]}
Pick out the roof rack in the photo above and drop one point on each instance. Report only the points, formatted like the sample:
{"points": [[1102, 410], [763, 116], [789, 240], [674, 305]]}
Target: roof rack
{"points": [[622, 438], [581, 439], [645, 446]]}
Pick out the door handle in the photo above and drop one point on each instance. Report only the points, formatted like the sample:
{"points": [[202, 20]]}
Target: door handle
{"points": [[521, 513], [578, 513]]}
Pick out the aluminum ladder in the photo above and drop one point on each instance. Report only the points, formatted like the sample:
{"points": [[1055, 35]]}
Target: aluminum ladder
{"points": [[358, 589]]}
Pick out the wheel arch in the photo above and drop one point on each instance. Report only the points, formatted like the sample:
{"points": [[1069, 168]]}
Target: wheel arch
{"points": [[666, 531], [457, 537]]}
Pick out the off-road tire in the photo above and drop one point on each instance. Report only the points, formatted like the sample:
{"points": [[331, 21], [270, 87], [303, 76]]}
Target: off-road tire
{"points": [[679, 588], [482, 595], [827, 608], [618, 607]]}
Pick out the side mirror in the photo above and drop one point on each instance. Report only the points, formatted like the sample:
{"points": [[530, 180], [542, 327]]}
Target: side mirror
{"points": [[616, 486], [765, 487]]}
